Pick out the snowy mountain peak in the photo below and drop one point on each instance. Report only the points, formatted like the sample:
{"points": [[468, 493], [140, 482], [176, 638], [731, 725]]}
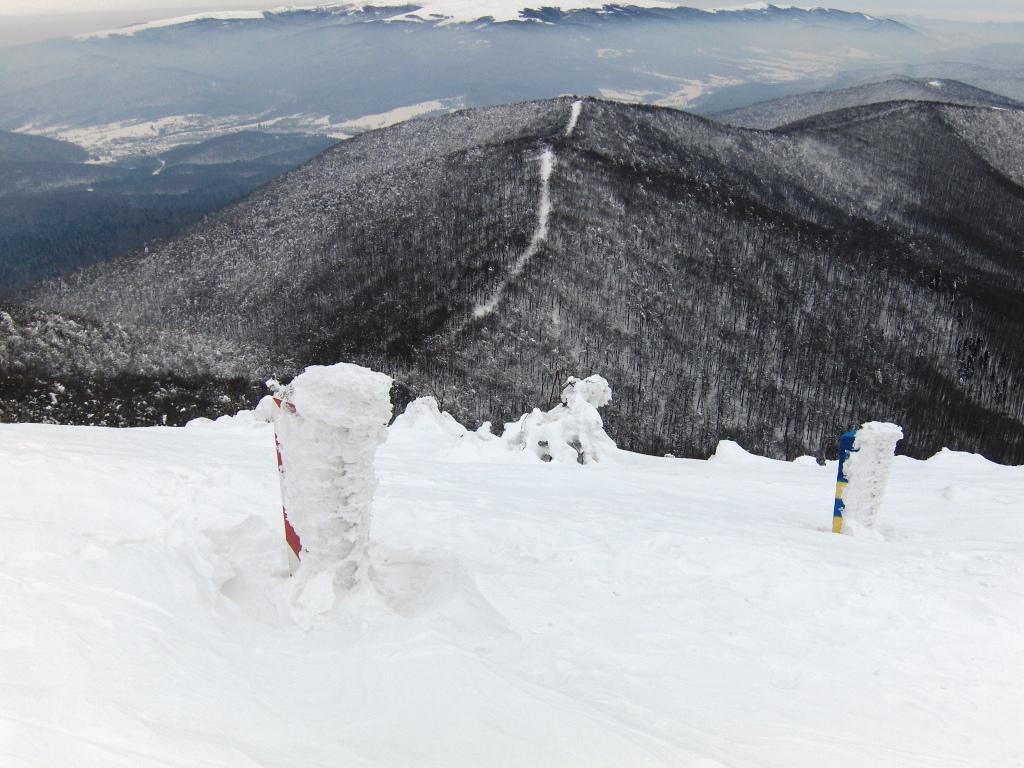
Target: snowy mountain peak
{"points": [[455, 12]]}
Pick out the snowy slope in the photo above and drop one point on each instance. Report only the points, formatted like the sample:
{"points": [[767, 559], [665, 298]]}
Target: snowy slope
{"points": [[651, 612]]}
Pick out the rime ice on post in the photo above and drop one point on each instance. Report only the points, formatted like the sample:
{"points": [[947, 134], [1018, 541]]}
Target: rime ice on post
{"points": [[867, 471], [328, 440]]}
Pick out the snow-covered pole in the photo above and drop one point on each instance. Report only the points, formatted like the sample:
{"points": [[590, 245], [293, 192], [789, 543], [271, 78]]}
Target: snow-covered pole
{"points": [[328, 427], [866, 474], [291, 538]]}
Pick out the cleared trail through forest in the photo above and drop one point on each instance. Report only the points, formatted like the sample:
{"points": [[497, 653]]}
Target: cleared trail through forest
{"points": [[574, 117], [540, 233]]}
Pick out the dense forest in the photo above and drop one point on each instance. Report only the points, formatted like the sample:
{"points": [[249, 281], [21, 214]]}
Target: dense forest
{"points": [[772, 287], [59, 212], [775, 113], [61, 370]]}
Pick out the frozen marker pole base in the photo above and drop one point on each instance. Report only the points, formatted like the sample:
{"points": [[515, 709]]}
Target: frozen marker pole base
{"points": [[846, 441], [291, 536]]}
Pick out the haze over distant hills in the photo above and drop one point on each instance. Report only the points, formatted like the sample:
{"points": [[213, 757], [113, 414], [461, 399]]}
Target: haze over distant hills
{"points": [[771, 287], [343, 68], [60, 211]]}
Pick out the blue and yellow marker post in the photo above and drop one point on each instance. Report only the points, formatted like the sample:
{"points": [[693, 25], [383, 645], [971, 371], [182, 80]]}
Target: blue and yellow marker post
{"points": [[845, 447]]}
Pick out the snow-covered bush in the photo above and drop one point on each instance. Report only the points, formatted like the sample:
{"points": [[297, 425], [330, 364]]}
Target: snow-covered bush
{"points": [[424, 414], [332, 420], [867, 471], [572, 431]]}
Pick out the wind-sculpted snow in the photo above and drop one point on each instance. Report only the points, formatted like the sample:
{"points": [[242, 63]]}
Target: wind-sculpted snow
{"points": [[571, 431], [649, 612], [768, 287]]}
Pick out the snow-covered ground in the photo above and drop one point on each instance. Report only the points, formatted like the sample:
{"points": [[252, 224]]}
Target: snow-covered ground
{"points": [[636, 612]]}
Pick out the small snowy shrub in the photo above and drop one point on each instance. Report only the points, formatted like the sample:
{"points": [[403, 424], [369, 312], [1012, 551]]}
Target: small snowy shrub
{"points": [[572, 431]]}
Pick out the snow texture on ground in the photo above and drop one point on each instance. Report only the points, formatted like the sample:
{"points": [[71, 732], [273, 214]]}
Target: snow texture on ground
{"points": [[646, 612]]}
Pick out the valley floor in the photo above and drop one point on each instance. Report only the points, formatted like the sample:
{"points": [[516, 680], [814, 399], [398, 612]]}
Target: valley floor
{"points": [[650, 612]]}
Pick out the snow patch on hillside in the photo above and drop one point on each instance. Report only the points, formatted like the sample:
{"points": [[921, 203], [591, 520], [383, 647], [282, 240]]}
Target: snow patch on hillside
{"points": [[126, 138], [175, 21], [394, 116], [571, 432], [574, 117]]}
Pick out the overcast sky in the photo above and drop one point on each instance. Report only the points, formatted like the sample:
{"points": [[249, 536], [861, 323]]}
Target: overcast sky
{"points": [[23, 21]]}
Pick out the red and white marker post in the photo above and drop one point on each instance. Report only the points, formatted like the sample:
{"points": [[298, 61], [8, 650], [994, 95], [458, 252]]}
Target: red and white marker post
{"points": [[291, 536], [328, 423]]}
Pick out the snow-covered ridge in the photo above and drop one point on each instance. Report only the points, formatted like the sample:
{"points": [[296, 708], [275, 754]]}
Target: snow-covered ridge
{"points": [[443, 11]]}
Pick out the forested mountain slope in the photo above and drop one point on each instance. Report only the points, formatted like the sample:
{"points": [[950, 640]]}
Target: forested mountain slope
{"points": [[770, 287], [20, 147], [778, 112], [58, 211]]}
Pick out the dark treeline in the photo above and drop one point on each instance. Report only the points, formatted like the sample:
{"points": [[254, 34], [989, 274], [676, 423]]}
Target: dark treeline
{"points": [[774, 288], [60, 370], [59, 213]]}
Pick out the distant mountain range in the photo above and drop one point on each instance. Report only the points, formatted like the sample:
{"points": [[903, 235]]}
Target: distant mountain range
{"points": [[345, 68], [448, 12], [774, 287]]}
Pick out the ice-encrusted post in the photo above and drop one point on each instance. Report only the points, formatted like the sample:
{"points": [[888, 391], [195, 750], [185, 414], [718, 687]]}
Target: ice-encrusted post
{"points": [[330, 424], [867, 474], [291, 537]]}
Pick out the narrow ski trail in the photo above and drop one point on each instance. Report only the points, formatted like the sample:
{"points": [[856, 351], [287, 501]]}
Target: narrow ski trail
{"points": [[547, 160]]}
